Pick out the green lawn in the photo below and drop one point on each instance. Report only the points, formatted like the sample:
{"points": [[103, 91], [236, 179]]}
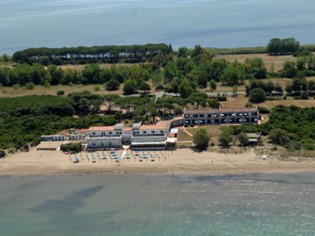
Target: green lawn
{"points": [[182, 136]]}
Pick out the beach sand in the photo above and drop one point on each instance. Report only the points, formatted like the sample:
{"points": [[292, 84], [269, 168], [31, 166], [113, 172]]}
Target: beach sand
{"points": [[179, 162]]}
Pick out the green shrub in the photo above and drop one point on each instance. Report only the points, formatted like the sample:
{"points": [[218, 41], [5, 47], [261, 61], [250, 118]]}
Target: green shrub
{"points": [[29, 85], [71, 147], [201, 139], [257, 95], [60, 92], [304, 95], [263, 110], [2, 154]]}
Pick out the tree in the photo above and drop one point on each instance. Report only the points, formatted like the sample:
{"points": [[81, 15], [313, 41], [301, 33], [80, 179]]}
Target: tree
{"points": [[214, 103], [202, 139], [278, 46], [145, 87], [5, 58], [289, 69], [130, 87], [257, 95], [56, 74], [91, 74], [256, 68], [112, 84], [197, 99], [233, 74], [5, 76], [274, 46], [213, 85], [170, 71], [185, 89], [182, 52], [269, 87], [110, 100], [225, 138], [38, 74], [243, 139], [278, 136]]}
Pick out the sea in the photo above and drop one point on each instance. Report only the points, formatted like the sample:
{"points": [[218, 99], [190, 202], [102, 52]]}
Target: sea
{"points": [[230, 205], [181, 23]]}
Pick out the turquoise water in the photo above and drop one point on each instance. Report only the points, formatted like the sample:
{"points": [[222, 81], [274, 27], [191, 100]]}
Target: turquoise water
{"points": [[273, 204], [211, 23]]}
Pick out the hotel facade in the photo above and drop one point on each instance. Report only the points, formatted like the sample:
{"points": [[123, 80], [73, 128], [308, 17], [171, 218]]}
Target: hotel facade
{"points": [[155, 136], [138, 136], [221, 116]]}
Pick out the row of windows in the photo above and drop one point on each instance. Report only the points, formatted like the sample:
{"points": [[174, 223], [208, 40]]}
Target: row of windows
{"points": [[105, 144], [222, 121], [52, 138], [213, 115], [135, 132]]}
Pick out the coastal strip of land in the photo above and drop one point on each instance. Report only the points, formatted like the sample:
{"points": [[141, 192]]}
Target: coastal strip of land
{"points": [[179, 162]]}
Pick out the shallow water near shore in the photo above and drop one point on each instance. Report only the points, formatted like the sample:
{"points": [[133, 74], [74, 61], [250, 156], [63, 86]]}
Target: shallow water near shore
{"points": [[256, 204], [210, 23]]}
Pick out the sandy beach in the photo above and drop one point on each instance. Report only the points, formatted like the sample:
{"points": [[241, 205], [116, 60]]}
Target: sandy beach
{"points": [[181, 161]]}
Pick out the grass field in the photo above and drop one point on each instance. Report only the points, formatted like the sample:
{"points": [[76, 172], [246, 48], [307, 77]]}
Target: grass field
{"points": [[270, 61], [52, 90]]}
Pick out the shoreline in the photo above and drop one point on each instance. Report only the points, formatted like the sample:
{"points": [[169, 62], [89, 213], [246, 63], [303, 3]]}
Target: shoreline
{"points": [[179, 162]]}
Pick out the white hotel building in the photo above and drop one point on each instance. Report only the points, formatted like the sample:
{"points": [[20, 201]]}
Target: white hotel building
{"points": [[138, 136]]}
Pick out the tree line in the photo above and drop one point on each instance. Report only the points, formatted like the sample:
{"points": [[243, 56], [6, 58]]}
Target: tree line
{"points": [[83, 55]]}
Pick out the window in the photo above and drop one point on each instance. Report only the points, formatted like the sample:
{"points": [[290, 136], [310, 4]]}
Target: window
{"points": [[162, 132], [110, 132], [153, 132], [144, 132], [202, 115]]}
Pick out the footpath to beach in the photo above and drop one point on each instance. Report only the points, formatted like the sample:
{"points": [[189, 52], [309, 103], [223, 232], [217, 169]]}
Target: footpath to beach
{"points": [[179, 162]]}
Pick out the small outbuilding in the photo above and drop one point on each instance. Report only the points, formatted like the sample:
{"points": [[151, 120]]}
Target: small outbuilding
{"points": [[253, 138]]}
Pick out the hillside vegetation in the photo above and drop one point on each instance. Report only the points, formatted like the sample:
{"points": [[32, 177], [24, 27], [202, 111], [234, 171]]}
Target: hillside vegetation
{"points": [[197, 78]]}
